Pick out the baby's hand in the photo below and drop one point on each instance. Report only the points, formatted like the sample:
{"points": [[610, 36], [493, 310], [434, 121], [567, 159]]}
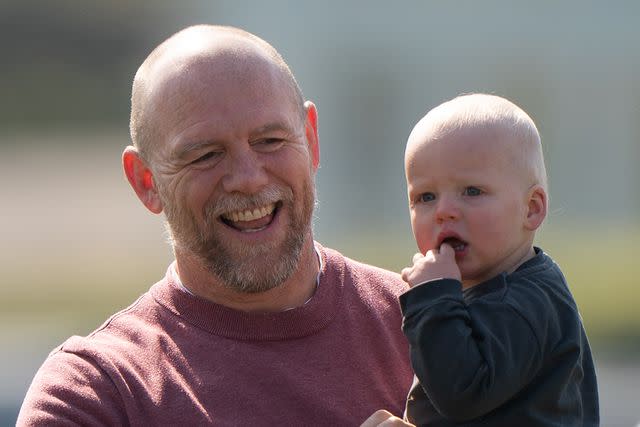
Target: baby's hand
{"points": [[435, 264]]}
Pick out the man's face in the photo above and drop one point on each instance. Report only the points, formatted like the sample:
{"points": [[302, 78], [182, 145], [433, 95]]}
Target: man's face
{"points": [[464, 190], [235, 174]]}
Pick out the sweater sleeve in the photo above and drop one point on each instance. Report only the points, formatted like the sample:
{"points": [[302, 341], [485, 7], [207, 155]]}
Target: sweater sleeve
{"points": [[469, 359], [70, 389]]}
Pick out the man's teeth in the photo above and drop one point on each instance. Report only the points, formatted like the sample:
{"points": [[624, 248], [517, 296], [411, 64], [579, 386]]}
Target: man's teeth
{"points": [[250, 215]]}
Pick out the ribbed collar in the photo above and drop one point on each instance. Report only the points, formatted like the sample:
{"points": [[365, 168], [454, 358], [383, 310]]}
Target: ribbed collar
{"points": [[234, 324], [539, 261]]}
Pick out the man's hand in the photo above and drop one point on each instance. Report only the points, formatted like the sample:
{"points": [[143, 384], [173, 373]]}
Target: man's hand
{"points": [[384, 418], [435, 264]]}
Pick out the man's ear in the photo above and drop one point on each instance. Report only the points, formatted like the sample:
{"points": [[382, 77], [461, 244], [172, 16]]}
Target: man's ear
{"points": [[311, 132], [536, 207], [141, 179]]}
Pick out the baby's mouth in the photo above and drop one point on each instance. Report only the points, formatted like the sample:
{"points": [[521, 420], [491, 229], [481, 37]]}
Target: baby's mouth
{"points": [[457, 244], [251, 220]]}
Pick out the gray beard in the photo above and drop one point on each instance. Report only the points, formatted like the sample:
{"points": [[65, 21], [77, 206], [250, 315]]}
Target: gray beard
{"points": [[244, 269]]}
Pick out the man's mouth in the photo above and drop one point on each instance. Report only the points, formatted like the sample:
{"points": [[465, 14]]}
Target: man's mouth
{"points": [[251, 220]]}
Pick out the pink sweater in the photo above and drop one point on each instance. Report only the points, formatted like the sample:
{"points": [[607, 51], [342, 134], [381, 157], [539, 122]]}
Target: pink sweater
{"points": [[175, 359]]}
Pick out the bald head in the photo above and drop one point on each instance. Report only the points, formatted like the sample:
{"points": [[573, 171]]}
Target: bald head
{"points": [[196, 54], [501, 120]]}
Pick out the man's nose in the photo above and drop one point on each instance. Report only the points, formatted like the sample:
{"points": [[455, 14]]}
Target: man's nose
{"points": [[245, 172], [447, 208]]}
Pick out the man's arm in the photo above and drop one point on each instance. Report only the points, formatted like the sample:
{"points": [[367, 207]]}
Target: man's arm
{"points": [[71, 389]]}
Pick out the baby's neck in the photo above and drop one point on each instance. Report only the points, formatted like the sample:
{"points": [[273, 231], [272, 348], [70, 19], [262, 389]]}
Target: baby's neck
{"points": [[530, 253], [511, 264]]}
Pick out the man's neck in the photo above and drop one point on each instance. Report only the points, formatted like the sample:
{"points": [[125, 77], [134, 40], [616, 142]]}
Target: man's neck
{"points": [[294, 292]]}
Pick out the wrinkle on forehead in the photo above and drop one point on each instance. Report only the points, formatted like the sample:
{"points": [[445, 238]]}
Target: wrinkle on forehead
{"points": [[199, 70], [198, 63]]}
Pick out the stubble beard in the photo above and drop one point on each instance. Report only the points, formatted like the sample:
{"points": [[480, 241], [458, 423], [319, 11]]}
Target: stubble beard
{"points": [[243, 268]]}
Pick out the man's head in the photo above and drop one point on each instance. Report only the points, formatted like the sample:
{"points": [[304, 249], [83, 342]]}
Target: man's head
{"points": [[225, 145], [476, 180], [171, 59]]}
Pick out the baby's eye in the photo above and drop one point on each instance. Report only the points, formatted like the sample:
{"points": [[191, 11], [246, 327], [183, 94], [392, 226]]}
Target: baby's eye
{"points": [[426, 197], [472, 191]]}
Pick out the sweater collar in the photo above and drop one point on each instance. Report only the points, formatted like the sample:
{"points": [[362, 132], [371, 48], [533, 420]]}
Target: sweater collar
{"points": [[234, 324], [539, 261]]}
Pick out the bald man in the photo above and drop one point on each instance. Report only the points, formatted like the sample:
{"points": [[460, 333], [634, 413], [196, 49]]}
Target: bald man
{"points": [[254, 323]]}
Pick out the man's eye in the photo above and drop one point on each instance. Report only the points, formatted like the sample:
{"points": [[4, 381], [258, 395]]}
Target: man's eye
{"points": [[268, 144], [472, 191], [426, 197], [205, 157]]}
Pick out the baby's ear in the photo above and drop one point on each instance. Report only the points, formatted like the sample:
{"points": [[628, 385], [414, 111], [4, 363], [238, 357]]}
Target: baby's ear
{"points": [[536, 207]]}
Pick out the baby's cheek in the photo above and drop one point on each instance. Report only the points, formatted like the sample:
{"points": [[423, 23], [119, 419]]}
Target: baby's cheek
{"points": [[423, 236]]}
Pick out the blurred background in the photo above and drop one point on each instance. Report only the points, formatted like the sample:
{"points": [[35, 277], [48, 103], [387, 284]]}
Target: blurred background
{"points": [[77, 245]]}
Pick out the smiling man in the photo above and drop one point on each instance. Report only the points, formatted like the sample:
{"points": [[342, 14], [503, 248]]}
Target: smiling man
{"points": [[232, 156], [254, 323]]}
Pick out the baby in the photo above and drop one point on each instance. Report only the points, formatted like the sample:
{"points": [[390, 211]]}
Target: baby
{"points": [[496, 338]]}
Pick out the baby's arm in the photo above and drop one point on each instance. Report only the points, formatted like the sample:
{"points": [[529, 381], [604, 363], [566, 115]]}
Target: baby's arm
{"points": [[469, 359]]}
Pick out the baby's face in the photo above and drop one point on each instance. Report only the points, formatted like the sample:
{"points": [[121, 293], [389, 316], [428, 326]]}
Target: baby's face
{"points": [[465, 190]]}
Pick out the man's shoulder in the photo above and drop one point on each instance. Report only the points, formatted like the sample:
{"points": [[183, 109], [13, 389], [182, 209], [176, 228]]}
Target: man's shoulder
{"points": [[118, 330], [127, 331]]}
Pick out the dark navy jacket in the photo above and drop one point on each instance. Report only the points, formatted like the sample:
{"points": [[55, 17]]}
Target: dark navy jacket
{"points": [[511, 351]]}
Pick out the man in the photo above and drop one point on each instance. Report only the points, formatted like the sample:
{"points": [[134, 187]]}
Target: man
{"points": [[254, 323]]}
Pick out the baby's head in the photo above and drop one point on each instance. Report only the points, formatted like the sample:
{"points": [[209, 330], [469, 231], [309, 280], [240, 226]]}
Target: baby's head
{"points": [[476, 180]]}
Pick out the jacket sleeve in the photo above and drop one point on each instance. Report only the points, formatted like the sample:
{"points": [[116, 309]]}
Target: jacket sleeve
{"points": [[469, 359], [70, 389]]}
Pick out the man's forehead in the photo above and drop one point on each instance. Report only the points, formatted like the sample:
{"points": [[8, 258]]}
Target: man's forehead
{"points": [[197, 40], [221, 55]]}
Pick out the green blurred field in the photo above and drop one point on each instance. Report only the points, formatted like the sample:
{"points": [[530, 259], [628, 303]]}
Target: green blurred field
{"points": [[65, 300], [597, 262], [599, 266]]}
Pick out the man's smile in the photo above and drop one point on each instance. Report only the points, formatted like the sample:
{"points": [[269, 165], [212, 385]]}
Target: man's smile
{"points": [[250, 220]]}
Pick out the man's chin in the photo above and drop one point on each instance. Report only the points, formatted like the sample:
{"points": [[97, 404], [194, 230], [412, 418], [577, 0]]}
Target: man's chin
{"points": [[256, 253], [252, 270], [256, 277], [247, 267]]}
